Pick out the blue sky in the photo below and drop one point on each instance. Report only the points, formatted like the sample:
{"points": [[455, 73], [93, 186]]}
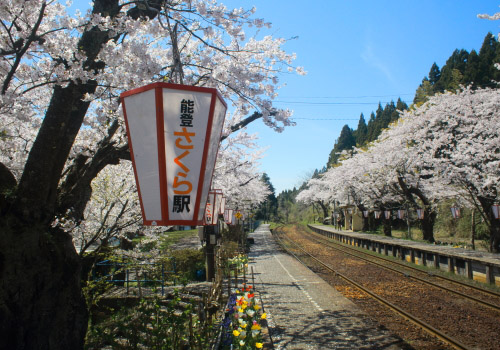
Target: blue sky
{"points": [[357, 53]]}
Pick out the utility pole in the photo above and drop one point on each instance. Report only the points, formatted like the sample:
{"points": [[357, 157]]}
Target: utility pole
{"points": [[211, 241]]}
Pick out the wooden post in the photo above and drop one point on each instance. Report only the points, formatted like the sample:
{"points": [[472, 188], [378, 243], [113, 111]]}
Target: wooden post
{"points": [[490, 278], [209, 252], [436, 260], [451, 264], [468, 269]]}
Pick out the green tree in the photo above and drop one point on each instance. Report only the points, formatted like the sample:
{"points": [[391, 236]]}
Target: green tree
{"points": [[434, 74], [346, 141], [472, 73], [424, 91], [361, 132], [269, 209], [487, 55]]}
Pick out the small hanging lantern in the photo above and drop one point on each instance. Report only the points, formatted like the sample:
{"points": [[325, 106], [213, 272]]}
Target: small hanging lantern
{"points": [[223, 205], [387, 214], [455, 212], [228, 216], [420, 213], [495, 208], [210, 208], [401, 214], [377, 214], [366, 213]]}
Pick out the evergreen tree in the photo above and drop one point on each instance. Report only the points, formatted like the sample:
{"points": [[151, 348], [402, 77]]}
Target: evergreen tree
{"points": [[345, 141], [375, 126], [370, 127], [450, 77], [269, 209], [387, 115], [424, 91], [401, 105], [487, 55], [361, 132], [471, 74], [434, 74]]}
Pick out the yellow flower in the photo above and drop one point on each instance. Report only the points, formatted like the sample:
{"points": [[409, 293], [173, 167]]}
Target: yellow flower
{"points": [[264, 316], [236, 333], [259, 345], [256, 307], [256, 327], [244, 325]]}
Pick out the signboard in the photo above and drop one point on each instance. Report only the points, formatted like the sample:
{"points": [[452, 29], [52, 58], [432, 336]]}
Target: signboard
{"points": [[174, 133]]}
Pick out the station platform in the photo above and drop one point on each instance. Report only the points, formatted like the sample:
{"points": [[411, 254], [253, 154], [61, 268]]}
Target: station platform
{"points": [[305, 312], [480, 266]]}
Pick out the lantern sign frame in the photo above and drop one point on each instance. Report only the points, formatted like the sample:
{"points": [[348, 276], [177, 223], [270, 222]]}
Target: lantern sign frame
{"points": [[455, 212], [174, 134]]}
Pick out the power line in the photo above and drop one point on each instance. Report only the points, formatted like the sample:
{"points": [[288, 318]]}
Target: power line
{"points": [[340, 97], [325, 119], [339, 103]]}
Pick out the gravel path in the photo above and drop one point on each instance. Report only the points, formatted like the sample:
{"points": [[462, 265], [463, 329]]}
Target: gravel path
{"points": [[304, 311]]}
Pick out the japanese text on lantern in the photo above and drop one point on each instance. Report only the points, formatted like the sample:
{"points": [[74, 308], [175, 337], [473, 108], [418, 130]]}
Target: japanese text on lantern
{"points": [[182, 186]]}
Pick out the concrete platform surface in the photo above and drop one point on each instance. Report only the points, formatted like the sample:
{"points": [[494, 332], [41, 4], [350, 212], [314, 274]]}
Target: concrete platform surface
{"points": [[475, 255], [305, 312]]}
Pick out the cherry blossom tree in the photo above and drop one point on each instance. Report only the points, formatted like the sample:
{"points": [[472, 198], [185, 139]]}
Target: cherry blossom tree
{"points": [[61, 78], [457, 136]]}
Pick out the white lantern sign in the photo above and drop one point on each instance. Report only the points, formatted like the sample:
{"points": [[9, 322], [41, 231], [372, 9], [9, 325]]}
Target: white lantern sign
{"points": [[174, 133], [228, 216]]}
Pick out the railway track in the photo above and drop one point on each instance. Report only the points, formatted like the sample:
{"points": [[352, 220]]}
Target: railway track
{"points": [[450, 339], [415, 273]]}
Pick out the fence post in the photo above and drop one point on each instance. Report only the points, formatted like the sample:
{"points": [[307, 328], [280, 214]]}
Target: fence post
{"points": [[127, 276], [162, 279]]}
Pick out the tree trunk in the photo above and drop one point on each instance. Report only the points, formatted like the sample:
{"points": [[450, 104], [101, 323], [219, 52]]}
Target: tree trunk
{"points": [[366, 220], [324, 209], [493, 224], [429, 214], [41, 303], [387, 224], [428, 225], [495, 235]]}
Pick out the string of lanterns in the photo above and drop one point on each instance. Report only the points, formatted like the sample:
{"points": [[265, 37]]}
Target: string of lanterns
{"points": [[420, 212]]}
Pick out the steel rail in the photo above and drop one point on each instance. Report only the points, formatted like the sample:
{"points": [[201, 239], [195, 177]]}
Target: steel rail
{"points": [[471, 298], [425, 326], [478, 289]]}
